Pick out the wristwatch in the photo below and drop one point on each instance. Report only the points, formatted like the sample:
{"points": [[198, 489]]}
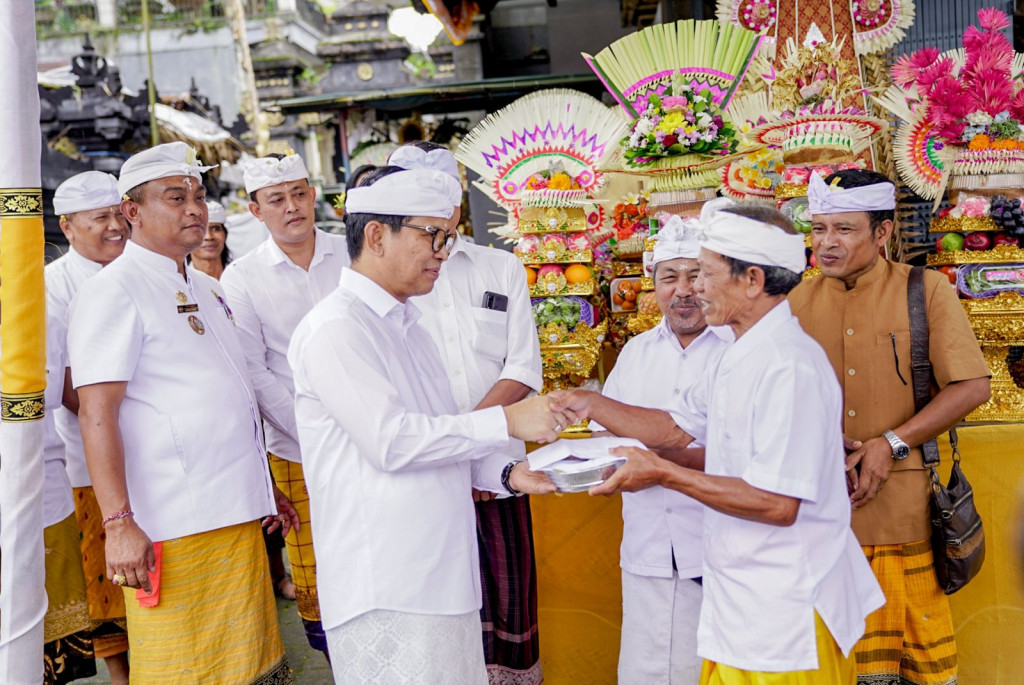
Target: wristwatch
{"points": [[900, 449], [506, 473]]}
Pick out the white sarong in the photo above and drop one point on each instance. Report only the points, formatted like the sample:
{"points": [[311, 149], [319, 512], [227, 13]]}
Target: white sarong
{"points": [[408, 649], [659, 631]]}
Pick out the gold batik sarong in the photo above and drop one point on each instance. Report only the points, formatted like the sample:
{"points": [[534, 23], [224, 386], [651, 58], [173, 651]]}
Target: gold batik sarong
{"points": [[216, 619], [106, 600], [67, 649], [289, 478], [833, 667], [68, 610], [910, 639]]}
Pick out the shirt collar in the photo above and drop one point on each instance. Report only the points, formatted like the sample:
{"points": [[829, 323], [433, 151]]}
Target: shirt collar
{"points": [[321, 247], [721, 332], [376, 298], [871, 277], [776, 317], [146, 256], [82, 262]]}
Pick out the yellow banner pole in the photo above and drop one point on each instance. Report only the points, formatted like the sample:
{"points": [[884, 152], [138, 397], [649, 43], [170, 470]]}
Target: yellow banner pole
{"points": [[22, 353]]}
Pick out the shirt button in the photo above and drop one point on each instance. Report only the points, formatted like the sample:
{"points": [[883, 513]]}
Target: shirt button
{"points": [[447, 305], [852, 372], [668, 510], [451, 338], [851, 413], [676, 391], [849, 331]]}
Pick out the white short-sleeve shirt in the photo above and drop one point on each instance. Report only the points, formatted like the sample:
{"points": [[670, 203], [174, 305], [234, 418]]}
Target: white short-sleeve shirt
{"points": [[653, 370], [57, 499], [64, 276], [387, 459], [774, 419], [269, 295], [481, 346], [194, 455]]}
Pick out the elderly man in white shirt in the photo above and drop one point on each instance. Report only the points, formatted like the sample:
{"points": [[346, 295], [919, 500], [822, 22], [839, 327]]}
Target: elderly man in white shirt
{"points": [[662, 528], [269, 290], [89, 210], [480, 317], [786, 588], [172, 439], [389, 460]]}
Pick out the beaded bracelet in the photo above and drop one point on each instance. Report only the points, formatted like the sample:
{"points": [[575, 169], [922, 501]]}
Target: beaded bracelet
{"points": [[126, 514]]}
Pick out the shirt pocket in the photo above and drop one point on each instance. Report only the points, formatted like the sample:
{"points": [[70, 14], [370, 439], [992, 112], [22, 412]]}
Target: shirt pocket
{"points": [[490, 333]]}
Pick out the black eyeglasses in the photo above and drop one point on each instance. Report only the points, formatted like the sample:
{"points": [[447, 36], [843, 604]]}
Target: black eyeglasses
{"points": [[440, 237]]}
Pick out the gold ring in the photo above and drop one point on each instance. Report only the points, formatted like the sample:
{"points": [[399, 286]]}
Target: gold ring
{"points": [[118, 579]]}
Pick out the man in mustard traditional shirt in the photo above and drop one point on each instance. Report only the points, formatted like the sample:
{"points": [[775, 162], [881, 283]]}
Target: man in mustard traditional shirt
{"points": [[857, 311]]}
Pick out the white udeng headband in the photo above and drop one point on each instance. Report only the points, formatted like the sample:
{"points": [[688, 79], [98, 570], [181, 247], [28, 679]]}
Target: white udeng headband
{"points": [[412, 157], [823, 199], [749, 240], [414, 192], [677, 239], [260, 172], [162, 161]]}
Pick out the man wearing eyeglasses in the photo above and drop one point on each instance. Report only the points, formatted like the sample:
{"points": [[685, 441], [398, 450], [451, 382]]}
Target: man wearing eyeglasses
{"points": [[479, 316], [390, 459], [269, 290]]}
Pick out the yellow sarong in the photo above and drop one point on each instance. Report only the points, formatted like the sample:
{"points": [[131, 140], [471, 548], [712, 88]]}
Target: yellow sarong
{"points": [[106, 600], [833, 667], [910, 639], [301, 557], [68, 610], [216, 620]]}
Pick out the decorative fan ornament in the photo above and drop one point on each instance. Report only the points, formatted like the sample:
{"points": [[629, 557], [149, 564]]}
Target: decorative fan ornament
{"points": [[877, 24], [553, 141], [675, 82], [963, 111]]}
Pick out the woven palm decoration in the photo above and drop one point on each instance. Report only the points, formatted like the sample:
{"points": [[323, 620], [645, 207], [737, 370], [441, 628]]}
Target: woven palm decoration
{"points": [[675, 81], [558, 137], [962, 112]]}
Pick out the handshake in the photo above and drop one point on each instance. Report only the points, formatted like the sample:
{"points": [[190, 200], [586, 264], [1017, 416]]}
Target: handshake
{"points": [[542, 418]]}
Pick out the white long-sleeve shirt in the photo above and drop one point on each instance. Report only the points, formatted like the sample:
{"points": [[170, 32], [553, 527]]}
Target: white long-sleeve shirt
{"points": [[660, 524], [387, 459], [481, 346], [774, 420], [269, 295], [64, 276]]}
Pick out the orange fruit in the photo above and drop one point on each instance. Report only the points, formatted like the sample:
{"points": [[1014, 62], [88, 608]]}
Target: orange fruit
{"points": [[628, 306], [617, 298], [531, 276], [577, 273], [631, 295]]}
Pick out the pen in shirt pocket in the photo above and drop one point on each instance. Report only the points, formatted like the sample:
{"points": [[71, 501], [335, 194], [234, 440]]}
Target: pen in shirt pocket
{"points": [[896, 358]]}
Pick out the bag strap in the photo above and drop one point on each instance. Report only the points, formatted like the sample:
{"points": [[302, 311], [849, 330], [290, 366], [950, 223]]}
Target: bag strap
{"points": [[920, 365]]}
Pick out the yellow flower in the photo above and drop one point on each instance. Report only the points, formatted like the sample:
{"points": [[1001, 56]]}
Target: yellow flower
{"points": [[559, 182], [671, 122]]}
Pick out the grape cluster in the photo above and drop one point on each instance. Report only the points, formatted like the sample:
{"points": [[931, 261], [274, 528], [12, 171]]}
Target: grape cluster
{"points": [[1008, 215]]}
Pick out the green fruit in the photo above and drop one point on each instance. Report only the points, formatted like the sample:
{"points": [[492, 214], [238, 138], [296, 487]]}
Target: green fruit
{"points": [[952, 242]]}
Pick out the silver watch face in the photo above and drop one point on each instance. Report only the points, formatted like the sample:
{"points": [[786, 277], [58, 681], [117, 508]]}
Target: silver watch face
{"points": [[900, 451]]}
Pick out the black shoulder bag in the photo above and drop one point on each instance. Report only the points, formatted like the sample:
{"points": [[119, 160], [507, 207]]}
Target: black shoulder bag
{"points": [[958, 538]]}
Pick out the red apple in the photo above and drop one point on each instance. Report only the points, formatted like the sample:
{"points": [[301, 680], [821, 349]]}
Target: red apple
{"points": [[943, 213], [977, 241], [1005, 239], [812, 261]]}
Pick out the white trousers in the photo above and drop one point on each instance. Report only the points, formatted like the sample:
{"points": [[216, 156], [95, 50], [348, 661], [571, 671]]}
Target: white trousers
{"points": [[659, 631], [394, 648]]}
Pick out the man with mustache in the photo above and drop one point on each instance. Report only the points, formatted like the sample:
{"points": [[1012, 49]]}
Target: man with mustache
{"points": [[269, 290], [172, 439], [662, 529], [89, 211], [857, 310]]}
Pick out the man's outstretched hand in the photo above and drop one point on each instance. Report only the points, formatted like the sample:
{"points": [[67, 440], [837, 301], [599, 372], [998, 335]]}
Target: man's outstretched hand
{"points": [[642, 469]]}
